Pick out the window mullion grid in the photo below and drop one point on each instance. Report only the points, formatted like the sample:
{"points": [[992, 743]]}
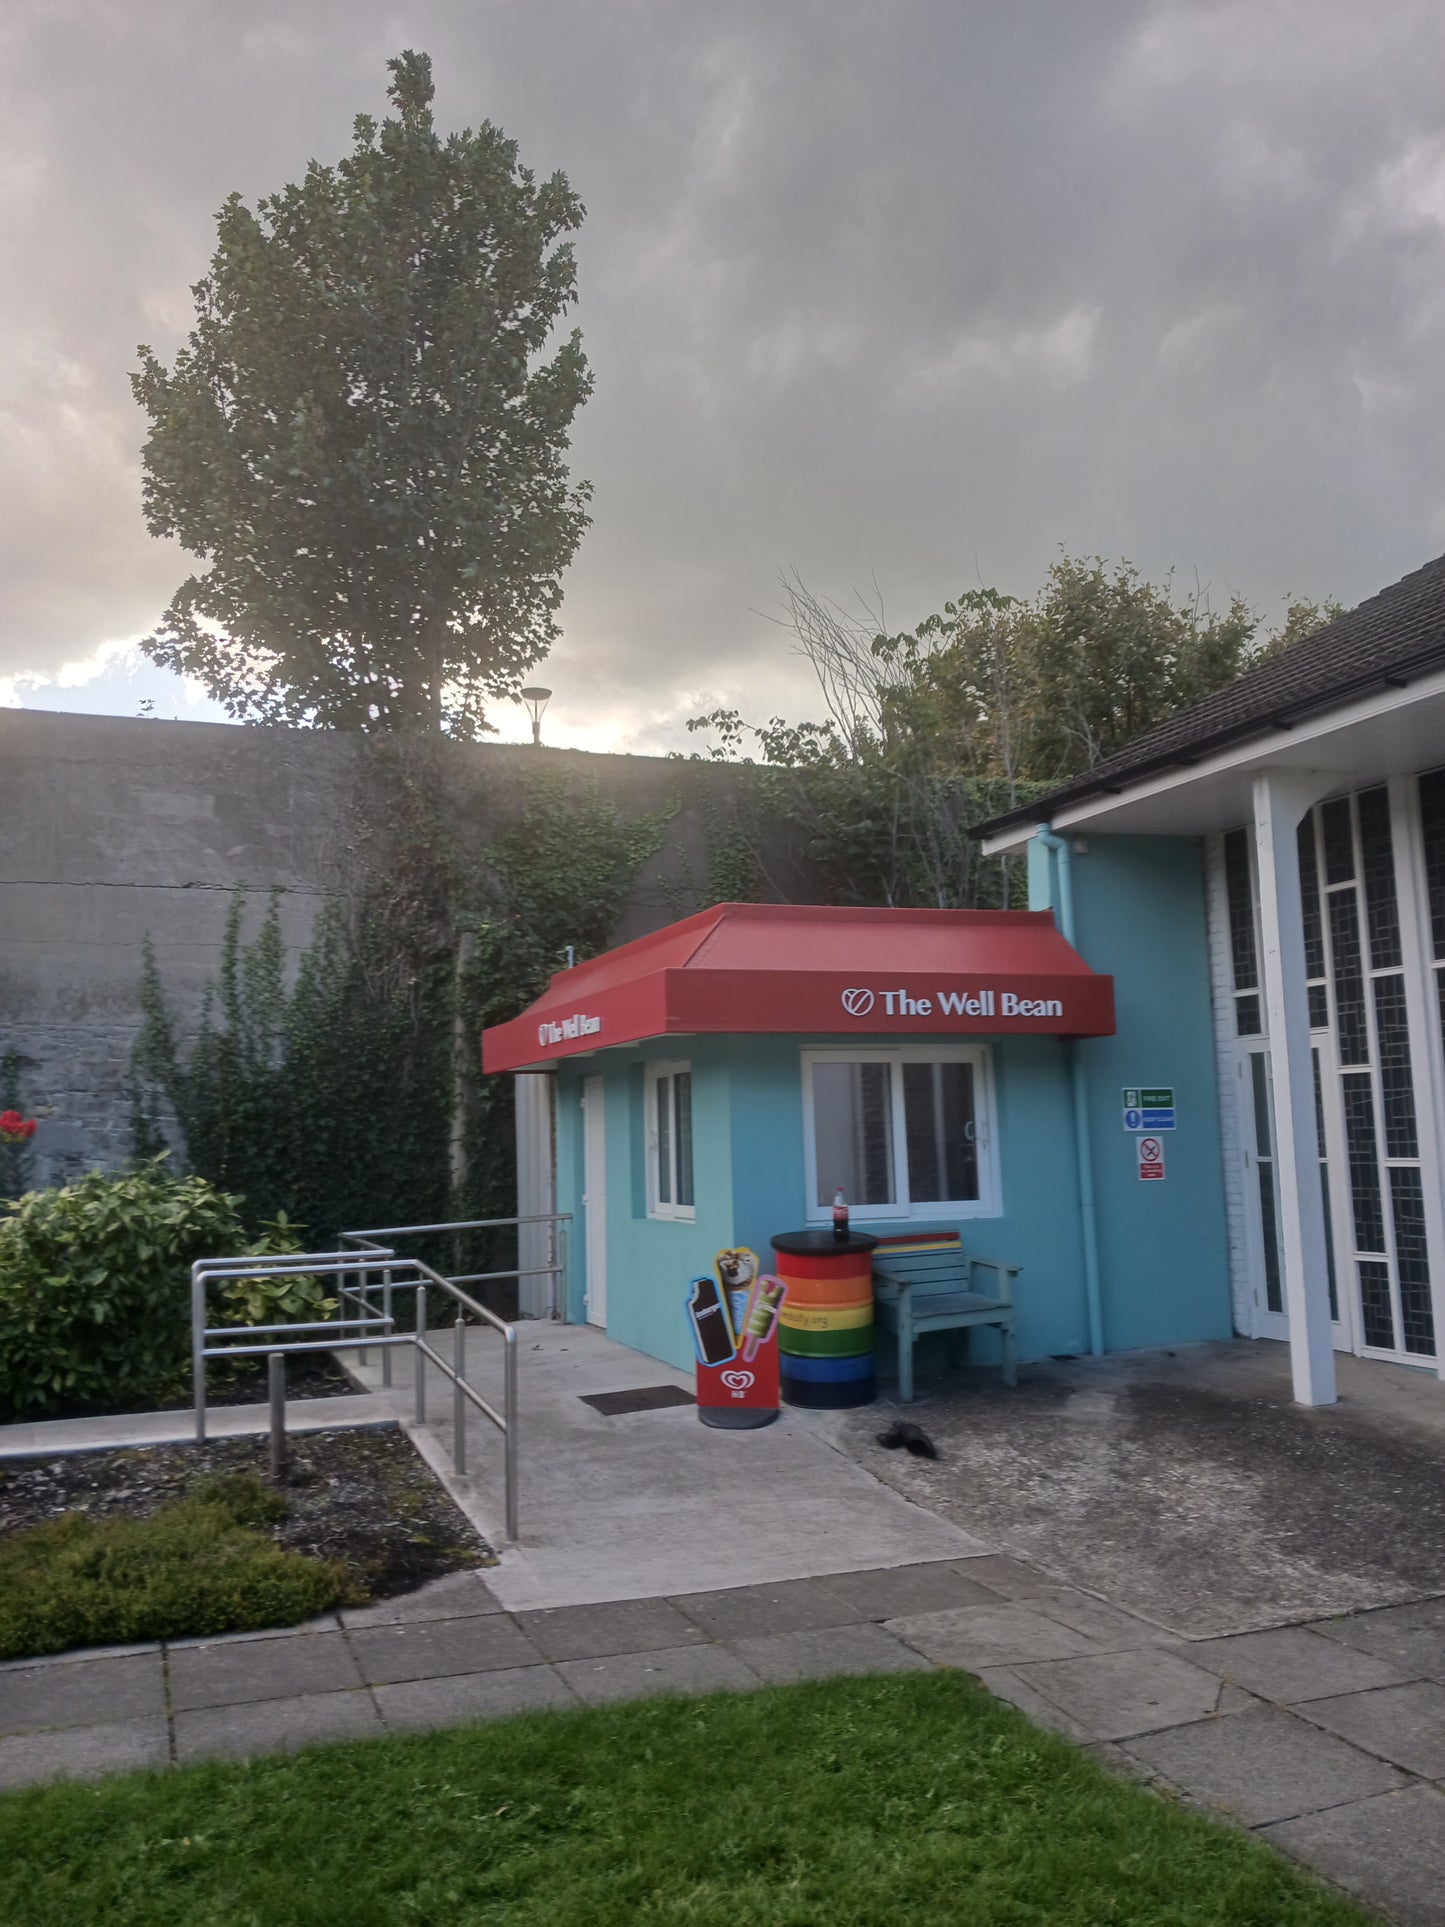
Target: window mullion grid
{"points": [[1377, 1092]]}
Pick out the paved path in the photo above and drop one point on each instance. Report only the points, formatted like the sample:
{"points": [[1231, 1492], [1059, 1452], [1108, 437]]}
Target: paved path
{"points": [[1328, 1740]]}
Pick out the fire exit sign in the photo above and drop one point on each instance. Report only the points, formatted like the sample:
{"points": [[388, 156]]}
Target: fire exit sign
{"points": [[1149, 1107]]}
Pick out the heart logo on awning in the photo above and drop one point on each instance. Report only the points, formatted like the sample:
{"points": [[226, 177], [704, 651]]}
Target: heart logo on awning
{"points": [[857, 1003]]}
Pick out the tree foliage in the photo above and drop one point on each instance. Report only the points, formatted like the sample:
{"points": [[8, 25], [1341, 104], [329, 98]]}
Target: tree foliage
{"points": [[987, 702], [364, 438]]}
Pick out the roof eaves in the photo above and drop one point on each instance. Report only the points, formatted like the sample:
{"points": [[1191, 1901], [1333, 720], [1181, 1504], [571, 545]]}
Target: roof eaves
{"points": [[1194, 750]]}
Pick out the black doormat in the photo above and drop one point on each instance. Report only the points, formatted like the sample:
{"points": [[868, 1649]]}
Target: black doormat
{"points": [[647, 1398]]}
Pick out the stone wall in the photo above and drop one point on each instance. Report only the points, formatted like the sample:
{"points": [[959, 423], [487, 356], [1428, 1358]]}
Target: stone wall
{"points": [[115, 828]]}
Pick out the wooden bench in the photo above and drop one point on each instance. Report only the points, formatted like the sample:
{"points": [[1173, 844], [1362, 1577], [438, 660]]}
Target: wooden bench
{"points": [[925, 1283]]}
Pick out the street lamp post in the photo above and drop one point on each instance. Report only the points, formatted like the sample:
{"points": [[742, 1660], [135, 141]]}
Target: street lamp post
{"points": [[536, 700]]}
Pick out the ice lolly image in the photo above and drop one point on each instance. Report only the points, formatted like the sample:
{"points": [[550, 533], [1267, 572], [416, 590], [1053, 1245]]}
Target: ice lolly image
{"points": [[762, 1314], [712, 1331]]}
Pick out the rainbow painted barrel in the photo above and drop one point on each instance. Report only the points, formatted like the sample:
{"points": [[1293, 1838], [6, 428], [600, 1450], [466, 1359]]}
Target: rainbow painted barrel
{"points": [[825, 1328]]}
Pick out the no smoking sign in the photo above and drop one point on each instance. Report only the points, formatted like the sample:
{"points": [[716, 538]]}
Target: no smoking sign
{"points": [[1151, 1158]]}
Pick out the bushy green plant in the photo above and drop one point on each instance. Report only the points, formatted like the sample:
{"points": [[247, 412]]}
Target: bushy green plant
{"points": [[197, 1566], [94, 1283], [262, 1300]]}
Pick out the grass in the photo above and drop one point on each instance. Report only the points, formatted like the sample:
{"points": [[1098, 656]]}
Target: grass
{"points": [[197, 1565], [906, 1801]]}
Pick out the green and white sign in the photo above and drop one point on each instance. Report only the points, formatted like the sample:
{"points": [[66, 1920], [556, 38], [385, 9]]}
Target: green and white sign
{"points": [[1149, 1107]]}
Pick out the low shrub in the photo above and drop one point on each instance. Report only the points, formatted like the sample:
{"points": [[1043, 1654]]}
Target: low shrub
{"points": [[200, 1565], [94, 1285]]}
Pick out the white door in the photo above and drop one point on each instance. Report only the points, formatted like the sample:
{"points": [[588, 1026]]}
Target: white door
{"points": [[594, 1197]]}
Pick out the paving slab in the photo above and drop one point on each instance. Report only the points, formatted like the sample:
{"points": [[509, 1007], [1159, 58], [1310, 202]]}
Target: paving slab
{"points": [[615, 1626], [974, 1637], [432, 1703], [1263, 1765], [1096, 1619], [83, 1752], [1005, 1683], [232, 1673], [1292, 1664], [437, 1648], [1388, 1851], [58, 1435], [1403, 1724], [1112, 1696], [459, 1595], [1410, 1636], [1001, 1574], [747, 1612], [82, 1692], [274, 1726], [684, 1669], [827, 1652], [910, 1589]]}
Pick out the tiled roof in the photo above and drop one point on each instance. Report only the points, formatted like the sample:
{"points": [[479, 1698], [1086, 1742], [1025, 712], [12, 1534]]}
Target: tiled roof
{"points": [[1397, 634]]}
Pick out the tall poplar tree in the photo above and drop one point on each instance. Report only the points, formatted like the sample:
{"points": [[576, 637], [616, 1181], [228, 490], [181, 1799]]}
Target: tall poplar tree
{"points": [[365, 434]]}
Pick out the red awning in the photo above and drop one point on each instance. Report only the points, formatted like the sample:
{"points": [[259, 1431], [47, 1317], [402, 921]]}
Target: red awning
{"points": [[753, 967]]}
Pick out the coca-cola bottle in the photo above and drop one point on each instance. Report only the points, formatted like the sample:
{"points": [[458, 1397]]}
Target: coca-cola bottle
{"points": [[840, 1215]]}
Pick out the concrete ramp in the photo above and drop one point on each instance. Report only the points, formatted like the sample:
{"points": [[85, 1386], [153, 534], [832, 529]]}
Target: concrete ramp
{"points": [[653, 1502]]}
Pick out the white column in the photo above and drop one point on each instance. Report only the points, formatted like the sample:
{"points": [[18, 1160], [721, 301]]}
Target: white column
{"points": [[536, 1195], [1280, 800]]}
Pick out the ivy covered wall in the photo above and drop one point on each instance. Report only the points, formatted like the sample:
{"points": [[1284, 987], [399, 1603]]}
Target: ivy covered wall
{"points": [[274, 948]]}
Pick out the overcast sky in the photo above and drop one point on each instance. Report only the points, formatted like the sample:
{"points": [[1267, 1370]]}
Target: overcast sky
{"points": [[913, 289]]}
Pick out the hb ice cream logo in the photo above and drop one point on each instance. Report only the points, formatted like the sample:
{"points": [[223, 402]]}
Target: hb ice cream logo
{"points": [[733, 1316]]}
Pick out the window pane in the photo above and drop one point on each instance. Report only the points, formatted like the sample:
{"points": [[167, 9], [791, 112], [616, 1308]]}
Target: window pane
{"points": [[853, 1132], [1349, 979], [1378, 862], [938, 1111], [1246, 1014], [1339, 844], [682, 1093], [1407, 1197], [1240, 893], [1432, 828], [1364, 1163], [1309, 889], [1325, 1186], [1393, 1032], [1375, 1304], [664, 1140]]}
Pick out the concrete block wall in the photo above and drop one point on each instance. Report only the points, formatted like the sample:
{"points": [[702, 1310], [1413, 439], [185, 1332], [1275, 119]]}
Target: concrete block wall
{"points": [[112, 828]]}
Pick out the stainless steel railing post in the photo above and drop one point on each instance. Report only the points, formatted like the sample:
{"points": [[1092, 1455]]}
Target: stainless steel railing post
{"points": [[459, 1402], [421, 1355], [276, 1387], [386, 1314], [509, 1441], [198, 1349]]}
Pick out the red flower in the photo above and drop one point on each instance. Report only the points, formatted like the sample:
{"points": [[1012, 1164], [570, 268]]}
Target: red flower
{"points": [[15, 1129]]}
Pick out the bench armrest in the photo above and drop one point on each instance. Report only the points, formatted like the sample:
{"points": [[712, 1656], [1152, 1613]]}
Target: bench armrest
{"points": [[1004, 1276]]}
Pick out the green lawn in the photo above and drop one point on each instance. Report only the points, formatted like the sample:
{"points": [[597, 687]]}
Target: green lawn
{"points": [[907, 1801]]}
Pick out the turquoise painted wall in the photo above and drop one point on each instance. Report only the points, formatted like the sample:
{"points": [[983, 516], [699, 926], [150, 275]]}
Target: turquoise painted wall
{"points": [[748, 1110], [1140, 909], [1163, 1259], [649, 1260]]}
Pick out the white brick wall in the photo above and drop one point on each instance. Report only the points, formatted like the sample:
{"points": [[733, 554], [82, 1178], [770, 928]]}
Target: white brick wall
{"points": [[1221, 983]]}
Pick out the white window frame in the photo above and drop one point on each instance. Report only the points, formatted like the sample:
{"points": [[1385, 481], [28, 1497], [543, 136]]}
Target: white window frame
{"points": [[987, 1204], [652, 1075]]}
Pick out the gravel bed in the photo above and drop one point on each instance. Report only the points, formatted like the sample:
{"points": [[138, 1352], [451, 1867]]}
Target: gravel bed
{"points": [[361, 1494]]}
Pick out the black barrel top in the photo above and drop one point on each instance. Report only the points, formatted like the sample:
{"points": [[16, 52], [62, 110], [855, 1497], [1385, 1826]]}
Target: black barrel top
{"points": [[822, 1243]]}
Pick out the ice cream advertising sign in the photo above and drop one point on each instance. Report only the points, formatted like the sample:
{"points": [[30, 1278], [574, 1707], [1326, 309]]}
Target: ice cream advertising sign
{"points": [[732, 1313]]}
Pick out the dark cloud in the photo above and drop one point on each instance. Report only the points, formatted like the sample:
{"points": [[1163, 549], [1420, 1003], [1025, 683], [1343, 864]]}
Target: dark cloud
{"points": [[924, 290]]}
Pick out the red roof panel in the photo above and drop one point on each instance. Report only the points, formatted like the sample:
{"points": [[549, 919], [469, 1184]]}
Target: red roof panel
{"points": [[814, 969]]}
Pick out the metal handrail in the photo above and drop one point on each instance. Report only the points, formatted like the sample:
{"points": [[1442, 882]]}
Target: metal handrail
{"points": [[360, 1327]]}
